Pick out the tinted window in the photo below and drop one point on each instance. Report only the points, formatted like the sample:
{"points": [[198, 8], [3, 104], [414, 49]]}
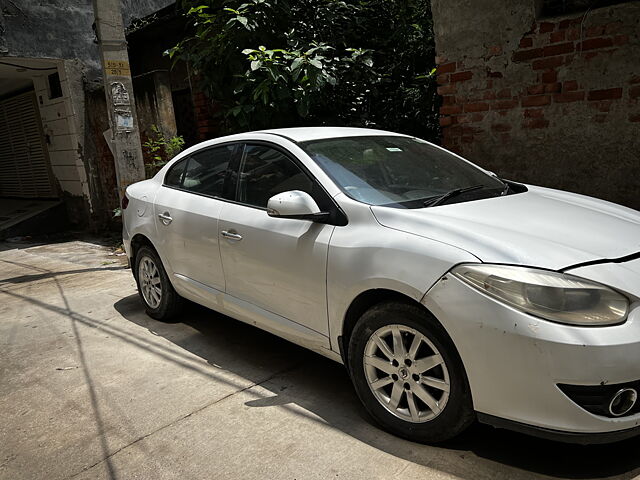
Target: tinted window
{"points": [[207, 169], [265, 172], [173, 178]]}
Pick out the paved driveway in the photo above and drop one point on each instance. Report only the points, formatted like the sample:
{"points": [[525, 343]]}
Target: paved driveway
{"points": [[90, 387]]}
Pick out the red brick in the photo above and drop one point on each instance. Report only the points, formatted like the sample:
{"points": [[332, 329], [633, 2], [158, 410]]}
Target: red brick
{"points": [[573, 34], [534, 113], [501, 127], [447, 67], [621, 39], [446, 89], [461, 76], [568, 97], [440, 60], [445, 121], [504, 93], [524, 55], [558, 49], [546, 27], [549, 76], [536, 101], [601, 105], [594, 31], [504, 104], [546, 63], [613, 27], [594, 43], [611, 93], [450, 109], [462, 119], [467, 139], [476, 107], [477, 117], [470, 130], [568, 22], [535, 89], [488, 95], [535, 123], [635, 79], [634, 92], [556, 37], [448, 100], [634, 118], [442, 79], [526, 42], [570, 86], [491, 74], [552, 87], [452, 131]]}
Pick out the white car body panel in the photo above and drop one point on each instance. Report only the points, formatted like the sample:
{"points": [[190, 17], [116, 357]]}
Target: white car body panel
{"points": [[542, 227], [297, 279]]}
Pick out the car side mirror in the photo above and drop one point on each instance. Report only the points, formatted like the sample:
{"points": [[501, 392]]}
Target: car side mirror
{"points": [[295, 204]]}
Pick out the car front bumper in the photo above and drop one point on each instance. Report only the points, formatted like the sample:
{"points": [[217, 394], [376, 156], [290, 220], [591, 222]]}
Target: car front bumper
{"points": [[514, 362]]}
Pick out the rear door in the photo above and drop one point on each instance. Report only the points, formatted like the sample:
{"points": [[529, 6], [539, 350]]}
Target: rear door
{"points": [[187, 209]]}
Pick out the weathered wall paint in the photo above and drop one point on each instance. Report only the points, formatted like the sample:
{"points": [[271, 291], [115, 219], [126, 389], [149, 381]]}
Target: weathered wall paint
{"points": [[549, 101], [60, 29]]}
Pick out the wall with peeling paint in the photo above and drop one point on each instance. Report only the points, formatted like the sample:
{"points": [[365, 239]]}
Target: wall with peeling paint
{"points": [[549, 101]]}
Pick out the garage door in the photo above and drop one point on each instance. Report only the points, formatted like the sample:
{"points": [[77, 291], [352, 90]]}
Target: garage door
{"points": [[24, 167]]}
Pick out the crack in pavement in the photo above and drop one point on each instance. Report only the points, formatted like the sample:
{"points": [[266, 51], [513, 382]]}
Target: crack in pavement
{"points": [[178, 420]]}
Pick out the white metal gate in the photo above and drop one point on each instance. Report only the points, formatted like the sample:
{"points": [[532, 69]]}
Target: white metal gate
{"points": [[24, 166]]}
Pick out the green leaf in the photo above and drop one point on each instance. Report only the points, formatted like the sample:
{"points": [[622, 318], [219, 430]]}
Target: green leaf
{"points": [[316, 63], [255, 65], [297, 62]]}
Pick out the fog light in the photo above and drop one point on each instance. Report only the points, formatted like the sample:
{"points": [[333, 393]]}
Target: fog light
{"points": [[622, 402]]}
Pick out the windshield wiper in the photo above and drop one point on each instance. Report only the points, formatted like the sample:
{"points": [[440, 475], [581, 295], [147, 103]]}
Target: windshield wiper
{"points": [[438, 199]]}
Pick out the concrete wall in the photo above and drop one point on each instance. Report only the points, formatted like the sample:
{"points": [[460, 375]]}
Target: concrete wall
{"points": [[549, 101], [60, 29]]}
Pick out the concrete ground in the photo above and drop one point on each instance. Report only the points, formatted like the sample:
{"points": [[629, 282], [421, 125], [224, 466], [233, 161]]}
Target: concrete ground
{"points": [[90, 387]]}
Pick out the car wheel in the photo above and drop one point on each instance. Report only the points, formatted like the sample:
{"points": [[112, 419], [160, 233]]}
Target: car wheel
{"points": [[408, 374], [156, 292]]}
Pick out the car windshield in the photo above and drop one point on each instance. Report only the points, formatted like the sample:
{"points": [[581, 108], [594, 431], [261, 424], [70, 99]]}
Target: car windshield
{"points": [[400, 172]]}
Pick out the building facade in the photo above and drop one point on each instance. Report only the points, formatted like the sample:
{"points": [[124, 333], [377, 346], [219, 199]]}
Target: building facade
{"points": [[544, 91], [53, 110]]}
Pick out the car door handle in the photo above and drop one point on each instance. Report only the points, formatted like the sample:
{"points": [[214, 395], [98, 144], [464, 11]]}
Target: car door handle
{"points": [[165, 218], [231, 235]]}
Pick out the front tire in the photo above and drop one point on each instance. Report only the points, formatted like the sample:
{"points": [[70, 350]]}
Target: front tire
{"points": [[156, 292], [408, 374]]}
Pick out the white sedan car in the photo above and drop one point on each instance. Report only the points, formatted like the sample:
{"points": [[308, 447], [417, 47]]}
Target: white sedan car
{"points": [[449, 294]]}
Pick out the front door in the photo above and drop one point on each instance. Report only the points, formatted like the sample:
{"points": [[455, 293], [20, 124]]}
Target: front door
{"points": [[276, 264]]}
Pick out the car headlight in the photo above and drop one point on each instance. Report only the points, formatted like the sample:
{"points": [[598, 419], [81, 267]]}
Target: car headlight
{"points": [[550, 295]]}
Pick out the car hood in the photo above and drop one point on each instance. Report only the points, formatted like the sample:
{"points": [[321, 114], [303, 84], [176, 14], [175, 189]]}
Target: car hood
{"points": [[541, 227]]}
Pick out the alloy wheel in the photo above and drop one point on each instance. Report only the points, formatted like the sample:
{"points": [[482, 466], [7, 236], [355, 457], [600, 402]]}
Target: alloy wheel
{"points": [[150, 283], [406, 373]]}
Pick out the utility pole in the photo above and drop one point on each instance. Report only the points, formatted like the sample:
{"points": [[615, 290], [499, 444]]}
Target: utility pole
{"points": [[124, 136]]}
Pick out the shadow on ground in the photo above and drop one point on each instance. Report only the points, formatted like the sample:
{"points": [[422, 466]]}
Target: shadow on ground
{"points": [[322, 387]]}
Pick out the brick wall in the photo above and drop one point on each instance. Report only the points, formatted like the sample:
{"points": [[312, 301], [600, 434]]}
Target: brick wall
{"points": [[548, 101], [204, 110]]}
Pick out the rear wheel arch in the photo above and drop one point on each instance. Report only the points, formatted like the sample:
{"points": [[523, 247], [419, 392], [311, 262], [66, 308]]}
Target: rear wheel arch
{"points": [[139, 240]]}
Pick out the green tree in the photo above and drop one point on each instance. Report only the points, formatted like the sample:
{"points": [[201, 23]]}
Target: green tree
{"points": [[273, 63]]}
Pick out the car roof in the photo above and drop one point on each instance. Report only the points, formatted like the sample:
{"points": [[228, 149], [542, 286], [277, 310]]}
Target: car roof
{"points": [[304, 134]]}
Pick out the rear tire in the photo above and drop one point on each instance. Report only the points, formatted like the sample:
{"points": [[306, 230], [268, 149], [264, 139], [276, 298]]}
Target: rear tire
{"points": [[408, 373], [158, 296]]}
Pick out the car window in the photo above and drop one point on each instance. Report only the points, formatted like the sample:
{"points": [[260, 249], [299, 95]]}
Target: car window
{"points": [[173, 178], [399, 171], [206, 170], [265, 172]]}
